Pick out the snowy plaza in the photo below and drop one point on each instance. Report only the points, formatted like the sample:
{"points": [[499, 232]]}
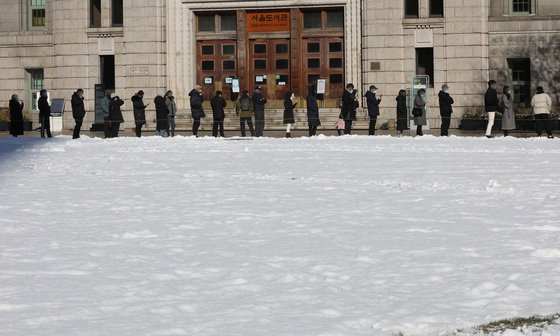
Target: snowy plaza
{"points": [[345, 236]]}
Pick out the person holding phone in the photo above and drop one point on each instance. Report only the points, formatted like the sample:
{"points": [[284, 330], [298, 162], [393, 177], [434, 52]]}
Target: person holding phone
{"points": [[373, 107]]}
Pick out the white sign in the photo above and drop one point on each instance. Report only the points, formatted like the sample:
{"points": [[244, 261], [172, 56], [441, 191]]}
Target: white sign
{"points": [[321, 83], [259, 79], [235, 85], [208, 80], [228, 80]]}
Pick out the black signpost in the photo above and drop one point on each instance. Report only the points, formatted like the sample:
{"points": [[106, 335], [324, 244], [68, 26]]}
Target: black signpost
{"points": [[99, 94]]}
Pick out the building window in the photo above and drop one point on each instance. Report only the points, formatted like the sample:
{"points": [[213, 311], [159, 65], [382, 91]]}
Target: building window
{"points": [[206, 23], [228, 49], [335, 79], [312, 19], [335, 19], [520, 6], [107, 70], [335, 63], [436, 8], [259, 49], [95, 13], [281, 49], [411, 8], [37, 14], [117, 13], [260, 64], [335, 47], [282, 64], [228, 65], [313, 63], [208, 65], [36, 84], [425, 63], [228, 22], [207, 50], [313, 47], [520, 74]]}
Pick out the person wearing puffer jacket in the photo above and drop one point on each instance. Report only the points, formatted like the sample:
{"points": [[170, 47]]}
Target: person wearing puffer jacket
{"points": [[197, 111], [542, 104]]}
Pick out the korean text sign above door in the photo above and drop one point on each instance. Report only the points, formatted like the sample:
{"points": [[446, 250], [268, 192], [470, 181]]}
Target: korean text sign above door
{"points": [[268, 21]]}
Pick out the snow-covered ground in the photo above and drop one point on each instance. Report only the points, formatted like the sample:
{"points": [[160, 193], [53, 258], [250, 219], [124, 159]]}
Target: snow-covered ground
{"points": [[314, 236]]}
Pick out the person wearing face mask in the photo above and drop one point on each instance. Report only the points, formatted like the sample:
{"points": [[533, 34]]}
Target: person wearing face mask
{"points": [[16, 116], [508, 118], [139, 109], [197, 111], [445, 109], [349, 106], [289, 112], [44, 114], [373, 108]]}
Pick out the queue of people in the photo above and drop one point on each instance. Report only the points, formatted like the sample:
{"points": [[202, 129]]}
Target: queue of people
{"points": [[248, 106]]}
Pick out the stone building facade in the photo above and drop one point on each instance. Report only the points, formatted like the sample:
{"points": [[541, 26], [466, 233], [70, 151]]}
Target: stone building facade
{"points": [[127, 45]]}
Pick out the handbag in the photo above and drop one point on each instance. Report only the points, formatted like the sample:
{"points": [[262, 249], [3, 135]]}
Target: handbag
{"points": [[417, 112]]}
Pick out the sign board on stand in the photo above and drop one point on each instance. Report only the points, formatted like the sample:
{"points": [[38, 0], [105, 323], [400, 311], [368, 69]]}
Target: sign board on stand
{"points": [[235, 85], [57, 110]]}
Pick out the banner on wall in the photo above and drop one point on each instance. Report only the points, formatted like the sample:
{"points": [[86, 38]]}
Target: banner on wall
{"points": [[268, 21]]}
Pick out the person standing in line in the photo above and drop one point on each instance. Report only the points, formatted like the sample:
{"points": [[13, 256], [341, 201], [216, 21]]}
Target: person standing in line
{"points": [[44, 114], [289, 112], [258, 108], [105, 103], [508, 117], [172, 107], [542, 105], [78, 112], [16, 116], [218, 103], [491, 106], [312, 111], [373, 108], [349, 105], [420, 103], [197, 111], [244, 110], [139, 111], [115, 115], [445, 109], [162, 113], [339, 126], [402, 118]]}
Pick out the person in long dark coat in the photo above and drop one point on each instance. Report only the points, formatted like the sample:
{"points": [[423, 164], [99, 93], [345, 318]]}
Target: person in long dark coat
{"points": [[218, 103], [162, 112], [349, 105], [491, 103], [78, 112], [373, 108], [258, 109], [44, 114], [289, 112], [402, 113], [197, 111], [139, 109], [312, 111], [445, 109], [16, 116], [115, 115]]}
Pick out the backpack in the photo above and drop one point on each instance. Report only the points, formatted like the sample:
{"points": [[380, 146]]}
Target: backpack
{"points": [[245, 104]]}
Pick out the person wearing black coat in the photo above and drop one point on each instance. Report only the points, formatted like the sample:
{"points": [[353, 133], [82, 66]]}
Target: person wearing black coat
{"points": [[491, 103], [312, 110], [16, 116], [139, 109], [402, 113], [258, 109], [445, 109], [78, 112], [115, 115], [373, 108], [162, 112], [349, 105], [218, 103], [44, 114], [197, 111], [289, 112]]}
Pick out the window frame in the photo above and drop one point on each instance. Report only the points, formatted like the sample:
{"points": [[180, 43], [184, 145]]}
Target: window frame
{"points": [[30, 9], [113, 10], [432, 15], [407, 16], [512, 12], [432, 68], [91, 14]]}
